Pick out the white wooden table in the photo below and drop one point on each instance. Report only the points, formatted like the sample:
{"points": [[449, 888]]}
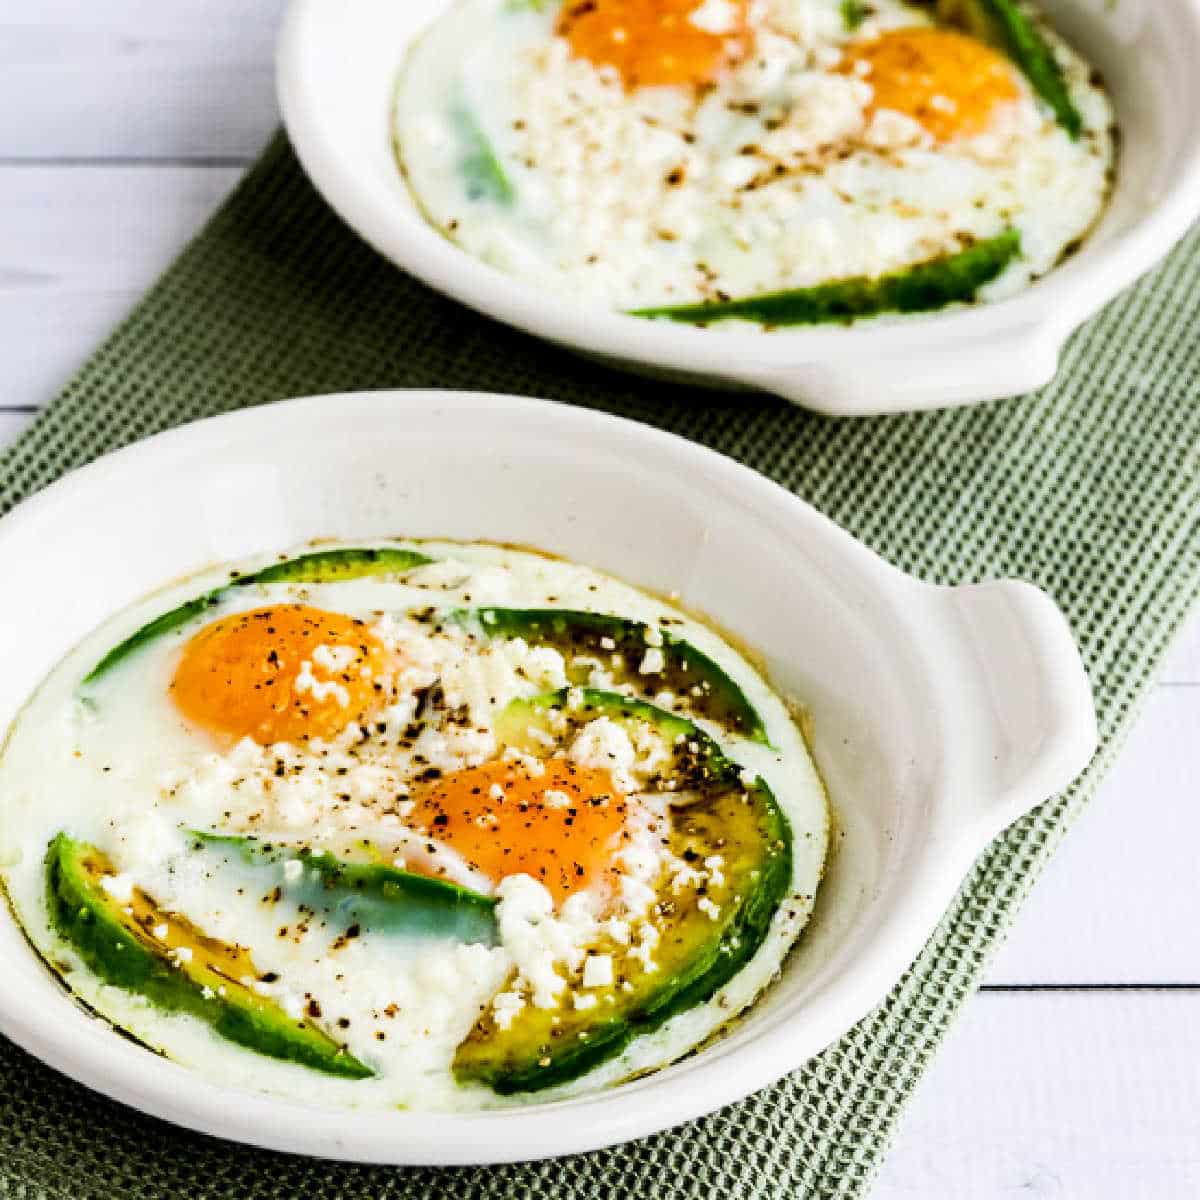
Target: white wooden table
{"points": [[1076, 1073]]}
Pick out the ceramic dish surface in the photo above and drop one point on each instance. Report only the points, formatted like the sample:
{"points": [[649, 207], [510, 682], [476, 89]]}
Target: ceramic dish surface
{"points": [[338, 74], [933, 715]]}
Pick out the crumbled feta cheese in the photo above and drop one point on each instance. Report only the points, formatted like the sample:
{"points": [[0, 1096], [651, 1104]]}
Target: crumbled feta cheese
{"points": [[505, 1007], [653, 662], [603, 743], [616, 929], [715, 16], [119, 887], [598, 971], [334, 659], [291, 1004], [307, 684], [713, 865], [706, 906], [582, 1000], [643, 951]]}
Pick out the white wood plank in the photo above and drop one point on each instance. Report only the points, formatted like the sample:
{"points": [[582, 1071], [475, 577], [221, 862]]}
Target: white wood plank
{"points": [[1118, 902], [78, 245], [1066, 1095], [136, 78], [1183, 667]]}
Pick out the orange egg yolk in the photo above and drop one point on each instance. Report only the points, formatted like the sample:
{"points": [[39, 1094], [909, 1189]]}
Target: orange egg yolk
{"points": [[283, 673], [949, 83], [562, 827], [652, 42]]}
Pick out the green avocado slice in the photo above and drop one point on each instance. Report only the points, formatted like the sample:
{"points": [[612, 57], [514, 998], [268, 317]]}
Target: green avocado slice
{"points": [[324, 566], [696, 953], [183, 970], [854, 13], [686, 670], [922, 287], [374, 895], [483, 176], [1005, 25], [331, 566]]}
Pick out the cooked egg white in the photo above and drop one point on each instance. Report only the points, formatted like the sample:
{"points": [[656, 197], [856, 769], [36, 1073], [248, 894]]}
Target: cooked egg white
{"points": [[642, 153], [174, 739]]}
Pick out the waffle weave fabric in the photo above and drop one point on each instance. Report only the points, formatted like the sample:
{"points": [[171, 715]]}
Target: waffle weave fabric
{"points": [[1090, 488]]}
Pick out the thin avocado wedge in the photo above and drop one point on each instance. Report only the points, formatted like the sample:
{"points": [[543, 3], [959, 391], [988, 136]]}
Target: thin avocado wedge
{"points": [[854, 13], [183, 970], [323, 566], [332, 566], [374, 895], [1005, 25], [696, 952], [685, 670], [483, 176], [155, 629], [922, 287]]}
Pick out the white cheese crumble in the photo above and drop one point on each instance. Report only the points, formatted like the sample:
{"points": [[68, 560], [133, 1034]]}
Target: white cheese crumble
{"points": [[715, 16], [307, 684], [505, 1008], [603, 743], [119, 887], [653, 662], [598, 971], [334, 659]]}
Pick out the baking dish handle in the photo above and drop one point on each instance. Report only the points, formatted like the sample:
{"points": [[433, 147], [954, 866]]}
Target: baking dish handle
{"points": [[1013, 363], [1023, 723]]}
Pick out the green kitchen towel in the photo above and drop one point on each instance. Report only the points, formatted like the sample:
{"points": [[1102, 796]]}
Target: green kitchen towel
{"points": [[1090, 488]]}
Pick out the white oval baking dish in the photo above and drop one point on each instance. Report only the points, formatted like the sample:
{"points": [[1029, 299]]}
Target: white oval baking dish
{"points": [[939, 714], [336, 72]]}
